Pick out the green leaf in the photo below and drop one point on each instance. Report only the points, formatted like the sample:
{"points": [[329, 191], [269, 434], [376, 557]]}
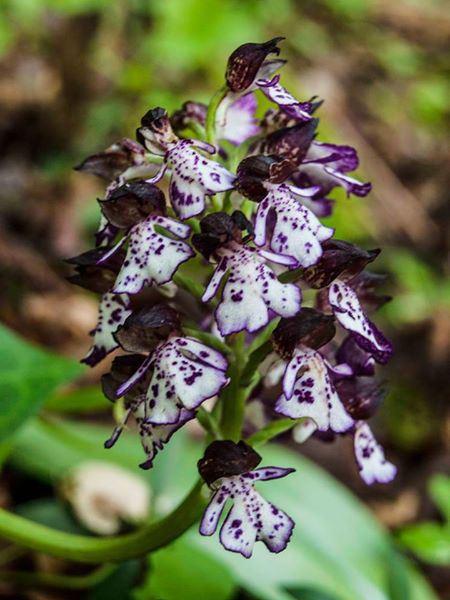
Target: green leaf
{"points": [[80, 400], [430, 541], [51, 512], [118, 585], [306, 593], [28, 375], [182, 570], [439, 490]]}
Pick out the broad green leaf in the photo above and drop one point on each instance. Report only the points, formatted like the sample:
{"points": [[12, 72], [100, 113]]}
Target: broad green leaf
{"points": [[80, 400], [306, 593], [182, 570], [430, 541], [119, 584], [439, 490], [28, 375], [51, 512]]}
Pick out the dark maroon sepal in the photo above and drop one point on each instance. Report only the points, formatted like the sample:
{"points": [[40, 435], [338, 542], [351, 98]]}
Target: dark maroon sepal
{"points": [[339, 259], [365, 285], [360, 397], [131, 203], [361, 362], [310, 327], [224, 458], [253, 171], [291, 142], [245, 61], [219, 228], [144, 329], [93, 277], [113, 161], [122, 368]]}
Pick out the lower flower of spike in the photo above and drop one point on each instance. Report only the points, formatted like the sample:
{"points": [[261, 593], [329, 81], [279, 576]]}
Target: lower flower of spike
{"points": [[252, 518], [309, 392], [185, 373], [112, 313], [151, 257], [250, 290]]}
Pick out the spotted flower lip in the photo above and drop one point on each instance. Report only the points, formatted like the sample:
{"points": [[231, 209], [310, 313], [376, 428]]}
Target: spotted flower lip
{"points": [[251, 289], [112, 312], [373, 466], [246, 62], [185, 373], [251, 518], [348, 312], [309, 392], [297, 233], [153, 437], [286, 102], [193, 176], [151, 256]]}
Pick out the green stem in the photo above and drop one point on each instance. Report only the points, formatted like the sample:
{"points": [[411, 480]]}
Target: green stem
{"points": [[210, 126], [100, 550], [70, 582], [234, 396], [209, 423]]}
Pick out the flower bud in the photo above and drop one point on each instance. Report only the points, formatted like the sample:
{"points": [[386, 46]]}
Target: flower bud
{"points": [[132, 203], [156, 131], [114, 160], [310, 328], [224, 458], [190, 112], [105, 496], [339, 259], [144, 329], [245, 62]]}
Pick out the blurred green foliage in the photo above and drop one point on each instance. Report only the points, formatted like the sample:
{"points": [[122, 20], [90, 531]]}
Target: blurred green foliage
{"points": [[430, 540]]}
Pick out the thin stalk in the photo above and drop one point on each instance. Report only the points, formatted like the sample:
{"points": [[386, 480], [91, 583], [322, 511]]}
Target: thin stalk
{"points": [[100, 550], [210, 126]]}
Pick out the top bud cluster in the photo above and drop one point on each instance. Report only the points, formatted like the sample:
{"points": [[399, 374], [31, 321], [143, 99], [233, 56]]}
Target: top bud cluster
{"points": [[245, 195]]}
